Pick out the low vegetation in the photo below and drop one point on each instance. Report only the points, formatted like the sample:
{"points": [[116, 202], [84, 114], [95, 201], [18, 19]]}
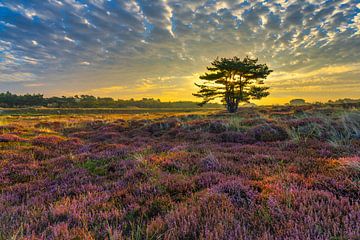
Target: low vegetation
{"points": [[288, 172]]}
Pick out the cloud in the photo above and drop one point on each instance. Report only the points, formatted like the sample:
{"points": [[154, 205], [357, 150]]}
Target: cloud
{"points": [[105, 90], [32, 85], [16, 77], [99, 44]]}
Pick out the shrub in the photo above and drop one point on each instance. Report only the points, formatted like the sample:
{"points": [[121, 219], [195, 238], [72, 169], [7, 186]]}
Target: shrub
{"points": [[254, 121], [305, 129], [158, 127], [240, 194], [268, 133], [10, 138], [64, 231], [352, 163], [177, 186], [338, 187], [210, 163], [137, 175], [234, 137], [9, 128], [346, 129], [217, 127], [208, 179], [52, 141], [314, 215], [159, 205], [212, 216], [41, 153], [351, 123], [235, 123], [105, 137], [57, 126], [308, 165]]}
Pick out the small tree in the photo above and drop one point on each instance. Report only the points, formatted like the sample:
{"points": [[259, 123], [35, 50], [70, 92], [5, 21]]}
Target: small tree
{"points": [[297, 102], [233, 81]]}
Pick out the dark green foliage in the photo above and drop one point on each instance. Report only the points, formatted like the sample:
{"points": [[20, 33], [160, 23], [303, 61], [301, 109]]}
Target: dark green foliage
{"points": [[9, 100], [233, 81], [12, 100]]}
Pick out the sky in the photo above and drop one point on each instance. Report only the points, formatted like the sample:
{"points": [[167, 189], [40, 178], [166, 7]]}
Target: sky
{"points": [[158, 48]]}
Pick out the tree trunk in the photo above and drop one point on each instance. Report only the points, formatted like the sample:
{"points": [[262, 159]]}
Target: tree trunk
{"points": [[232, 106]]}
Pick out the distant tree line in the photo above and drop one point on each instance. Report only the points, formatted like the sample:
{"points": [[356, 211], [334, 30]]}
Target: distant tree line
{"points": [[10, 100], [343, 103]]}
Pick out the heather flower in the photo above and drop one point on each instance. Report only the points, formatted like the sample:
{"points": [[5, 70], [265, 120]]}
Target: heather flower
{"points": [[64, 231], [352, 163], [240, 194], [338, 187], [106, 137], [204, 183], [177, 186], [210, 163], [161, 147], [9, 128], [158, 205], [217, 127], [137, 175], [234, 137], [176, 161], [208, 179], [57, 126], [210, 217], [10, 138], [47, 141]]}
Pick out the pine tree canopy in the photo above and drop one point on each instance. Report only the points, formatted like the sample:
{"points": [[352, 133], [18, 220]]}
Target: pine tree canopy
{"points": [[233, 80]]}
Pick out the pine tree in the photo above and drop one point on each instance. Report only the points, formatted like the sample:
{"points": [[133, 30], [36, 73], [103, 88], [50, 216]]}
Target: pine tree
{"points": [[233, 81]]}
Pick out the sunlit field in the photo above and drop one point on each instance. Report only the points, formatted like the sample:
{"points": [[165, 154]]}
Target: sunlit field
{"points": [[263, 173], [99, 111]]}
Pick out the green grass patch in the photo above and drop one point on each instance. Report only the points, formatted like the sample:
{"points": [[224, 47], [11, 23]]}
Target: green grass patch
{"points": [[235, 123], [97, 167]]}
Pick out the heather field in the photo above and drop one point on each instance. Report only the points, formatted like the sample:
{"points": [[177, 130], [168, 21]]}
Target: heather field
{"points": [[263, 173]]}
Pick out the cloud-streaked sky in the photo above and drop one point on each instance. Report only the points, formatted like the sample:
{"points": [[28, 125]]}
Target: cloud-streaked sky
{"points": [[158, 48]]}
